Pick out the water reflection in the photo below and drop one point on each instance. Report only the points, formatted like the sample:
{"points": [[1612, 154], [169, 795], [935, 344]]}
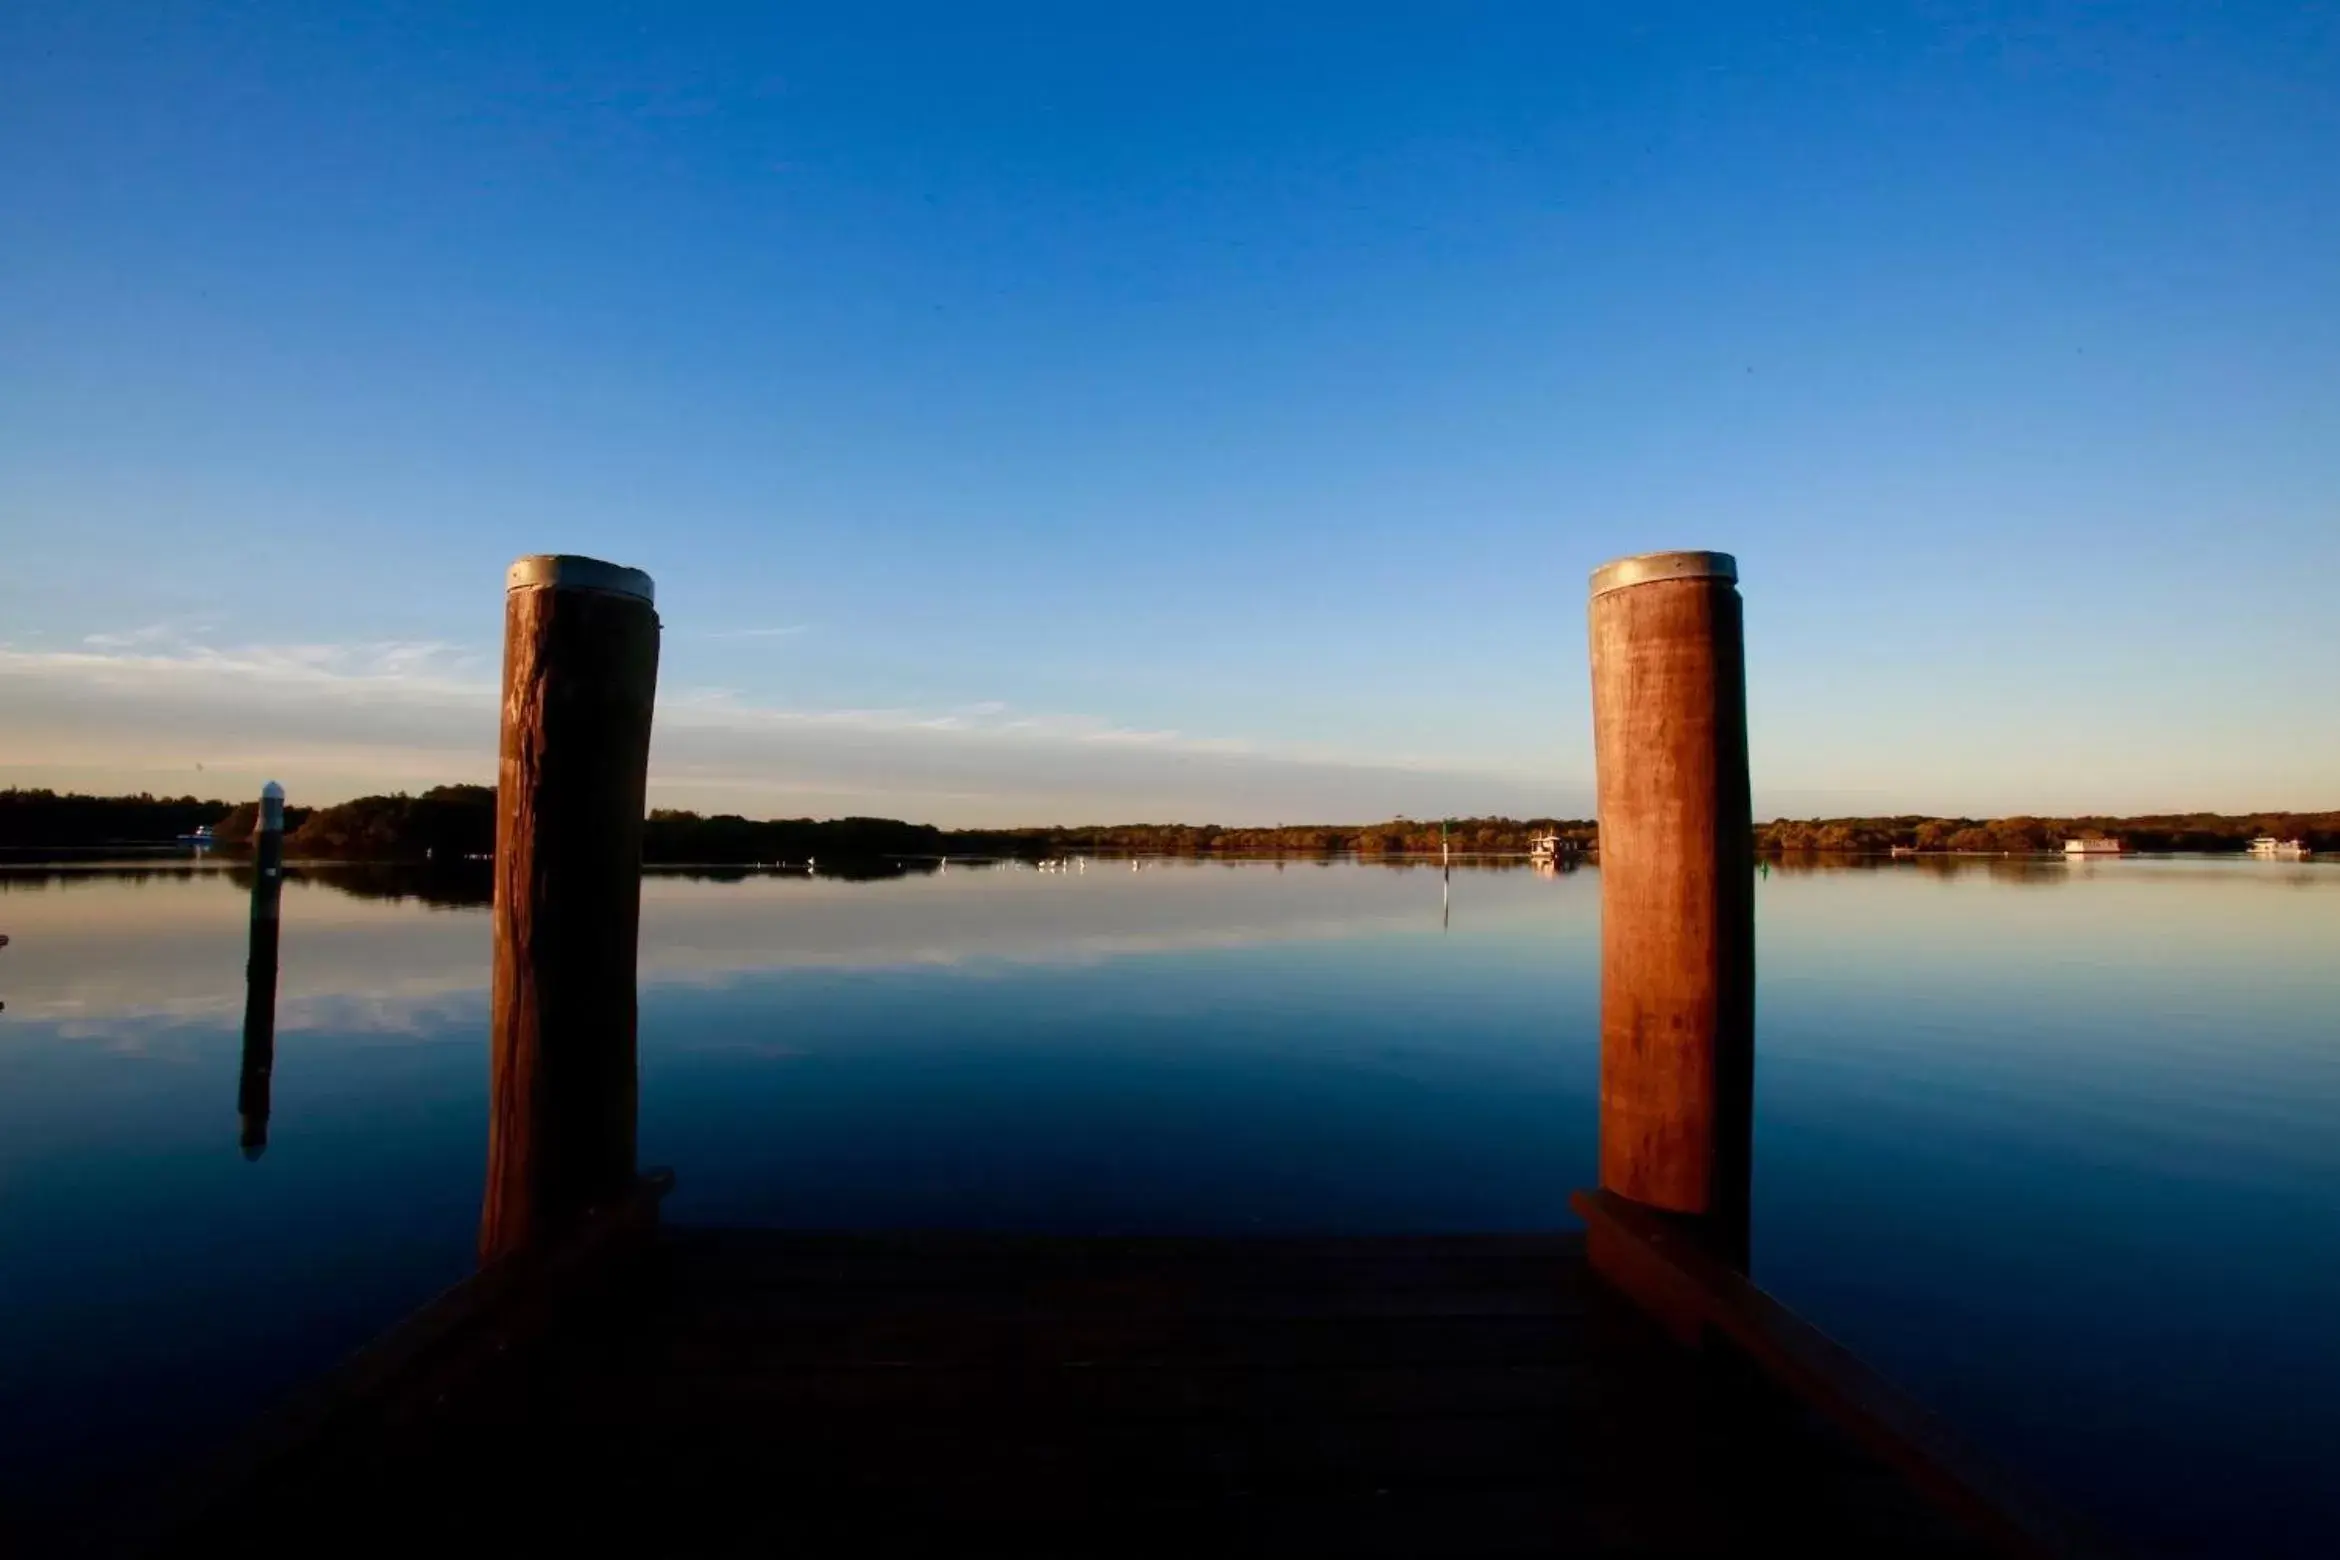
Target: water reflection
{"points": [[258, 1064], [383, 949], [1998, 1100], [1998, 869], [465, 885], [123, 954]]}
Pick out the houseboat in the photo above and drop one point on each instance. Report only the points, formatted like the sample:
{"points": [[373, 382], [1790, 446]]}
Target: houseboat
{"points": [[2267, 847], [2092, 847]]}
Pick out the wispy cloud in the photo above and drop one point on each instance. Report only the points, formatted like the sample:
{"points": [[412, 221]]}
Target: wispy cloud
{"points": [[153, 633], [155, 659], [168, 633], [778, 631], [344, 718]]}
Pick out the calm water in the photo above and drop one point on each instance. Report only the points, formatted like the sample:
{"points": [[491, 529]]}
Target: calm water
{"points": [[2057, 1147]]}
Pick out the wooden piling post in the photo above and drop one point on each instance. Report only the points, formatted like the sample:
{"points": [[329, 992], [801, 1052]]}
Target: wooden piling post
{"points": [[1677, 889], [580, 671], [259, 1058]]}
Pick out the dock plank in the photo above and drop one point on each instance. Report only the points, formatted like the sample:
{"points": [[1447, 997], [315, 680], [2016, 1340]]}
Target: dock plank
{"points": [[744, 1391]]}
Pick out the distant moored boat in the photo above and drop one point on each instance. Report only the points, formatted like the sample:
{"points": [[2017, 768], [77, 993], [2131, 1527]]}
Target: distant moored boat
{"points": [[2092, 847], [2269, 848]]}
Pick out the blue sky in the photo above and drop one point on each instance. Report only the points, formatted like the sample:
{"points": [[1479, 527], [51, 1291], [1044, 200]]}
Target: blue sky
{"points": [[1070, 413]]}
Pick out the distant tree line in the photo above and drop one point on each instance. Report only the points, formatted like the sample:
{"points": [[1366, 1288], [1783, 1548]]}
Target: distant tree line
{"points": [[445, 823], [2159, 831], [69, 819], [451, 823], [456, 821], [675, 837], [1398, 836]]}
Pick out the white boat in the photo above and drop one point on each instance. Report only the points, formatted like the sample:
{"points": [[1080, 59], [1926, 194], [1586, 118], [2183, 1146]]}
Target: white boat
{"points": [[2268, 848], [1544, 847], [2092, 847]]}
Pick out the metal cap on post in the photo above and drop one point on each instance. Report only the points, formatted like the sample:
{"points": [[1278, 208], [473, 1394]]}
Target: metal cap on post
{"points": [[580, 675], [1677, 888], [568, 571], [1647, 568]]}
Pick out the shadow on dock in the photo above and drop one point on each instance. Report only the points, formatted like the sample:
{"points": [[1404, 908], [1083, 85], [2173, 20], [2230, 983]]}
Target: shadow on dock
{"points": [[746, 1391]]}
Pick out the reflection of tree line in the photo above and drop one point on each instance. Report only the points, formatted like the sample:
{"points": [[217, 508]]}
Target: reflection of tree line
{"points": [[40, 878], [472, 884], [457, 885], [2009, 869]]}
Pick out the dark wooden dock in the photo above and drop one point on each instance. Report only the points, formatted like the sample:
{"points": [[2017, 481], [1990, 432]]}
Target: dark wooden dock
{"points": [[741, 1391]]}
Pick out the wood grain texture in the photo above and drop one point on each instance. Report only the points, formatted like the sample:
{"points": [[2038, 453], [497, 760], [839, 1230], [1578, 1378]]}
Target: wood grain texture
{"points": [[580, 672], [1677, 900]]}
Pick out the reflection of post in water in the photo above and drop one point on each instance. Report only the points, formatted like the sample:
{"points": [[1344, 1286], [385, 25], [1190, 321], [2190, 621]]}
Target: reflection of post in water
{"points": [[260, 973], [1445, 897]]}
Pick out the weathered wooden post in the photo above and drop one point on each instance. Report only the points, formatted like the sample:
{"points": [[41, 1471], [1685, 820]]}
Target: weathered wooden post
{"points": [[1677, 890], [580, 671], [259, 1058]]}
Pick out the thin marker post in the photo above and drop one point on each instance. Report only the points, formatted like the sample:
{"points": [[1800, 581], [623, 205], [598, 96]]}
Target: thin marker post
{"points": [[259, 1055]]}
